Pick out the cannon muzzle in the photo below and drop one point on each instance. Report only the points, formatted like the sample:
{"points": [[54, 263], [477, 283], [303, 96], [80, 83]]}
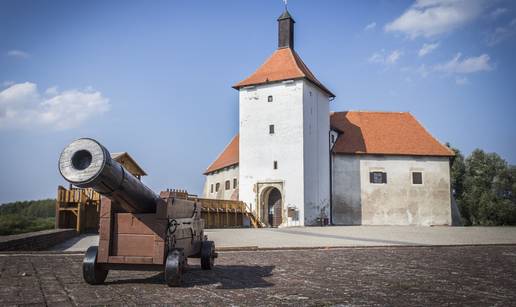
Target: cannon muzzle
{"points": [[87, 164]]}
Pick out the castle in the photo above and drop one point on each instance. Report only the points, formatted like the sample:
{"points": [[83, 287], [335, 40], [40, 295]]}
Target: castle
{"points": [[294, 163]]}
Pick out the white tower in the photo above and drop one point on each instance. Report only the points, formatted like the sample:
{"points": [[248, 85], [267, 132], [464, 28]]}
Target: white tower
{"points": [[284, 138]]}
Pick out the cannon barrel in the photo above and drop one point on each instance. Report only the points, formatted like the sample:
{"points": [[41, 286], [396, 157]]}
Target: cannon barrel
{"points": [[87, 164]]}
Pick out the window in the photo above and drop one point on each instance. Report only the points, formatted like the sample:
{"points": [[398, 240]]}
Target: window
{"points": [[271, 129], [211, 190], [217, 186], [275, 165], [333, 138], [269, 99], [227, 185], [417, 178], [378, 177], [234, 183]]}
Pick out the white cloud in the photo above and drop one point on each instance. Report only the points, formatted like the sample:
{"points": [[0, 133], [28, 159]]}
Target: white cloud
{"points": [[498, 12], [427, 48], [501, 33], [370, 26], [393, 57], [23, 107], [376, 57], [7, 83], [465, 66], [383, 58], [18, 54], [432, 17], [461, 81], [422, 70]]}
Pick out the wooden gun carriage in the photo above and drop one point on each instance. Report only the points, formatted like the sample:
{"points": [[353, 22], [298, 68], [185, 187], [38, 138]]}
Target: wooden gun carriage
{"points": [[138, 230]]}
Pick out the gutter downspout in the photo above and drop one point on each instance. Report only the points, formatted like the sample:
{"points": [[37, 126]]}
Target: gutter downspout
{"points": [[331, 178]]}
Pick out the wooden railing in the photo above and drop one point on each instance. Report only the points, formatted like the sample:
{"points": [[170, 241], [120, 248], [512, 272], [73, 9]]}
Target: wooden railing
{"points": [[77, 208], [221, 213], [76, 195]]}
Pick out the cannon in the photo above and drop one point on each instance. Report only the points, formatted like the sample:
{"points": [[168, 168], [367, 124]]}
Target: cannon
{"points": [[138, 230]]}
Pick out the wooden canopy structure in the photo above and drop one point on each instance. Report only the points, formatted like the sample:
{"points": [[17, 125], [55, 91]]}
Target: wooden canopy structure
{"points": [[79, 208]]}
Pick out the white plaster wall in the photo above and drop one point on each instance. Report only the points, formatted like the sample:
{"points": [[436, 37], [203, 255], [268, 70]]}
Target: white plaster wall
{"points": [[228, 173], [258, 149], [398, 202], [316, 130]]}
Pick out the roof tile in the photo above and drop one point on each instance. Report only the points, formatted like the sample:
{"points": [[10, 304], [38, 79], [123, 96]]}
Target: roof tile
{"points": [[228, 157], [389, 133], [283, 64]]}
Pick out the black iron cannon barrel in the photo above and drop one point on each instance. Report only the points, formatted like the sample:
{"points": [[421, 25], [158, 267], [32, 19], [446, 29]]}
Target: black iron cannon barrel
{"points": [[85, 163]]}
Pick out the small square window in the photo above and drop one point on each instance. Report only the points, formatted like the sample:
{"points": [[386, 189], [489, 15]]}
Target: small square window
{"points": [[234, 183], [378, 177], [271, 129], [269, 99], [417, 178], [227, 185], [217, 186], [275, 165], [211, 190]]}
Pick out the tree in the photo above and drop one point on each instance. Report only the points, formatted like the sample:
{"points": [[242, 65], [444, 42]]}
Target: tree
{"points": [[457, 175], [488, 190]]}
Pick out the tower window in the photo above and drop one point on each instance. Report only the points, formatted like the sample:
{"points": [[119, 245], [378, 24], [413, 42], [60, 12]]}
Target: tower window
{"points": [[234, 183], [217, 186], [378, 177], [211, 189], [269, 99], [275, 165], [417, 178], [227, 185], [271, 129]]}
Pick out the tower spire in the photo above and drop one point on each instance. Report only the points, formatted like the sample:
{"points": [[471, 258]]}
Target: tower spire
{"points": [[285, 30]]}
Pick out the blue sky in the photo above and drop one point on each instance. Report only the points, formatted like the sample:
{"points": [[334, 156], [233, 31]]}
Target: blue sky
{"points": [[154, 77]]}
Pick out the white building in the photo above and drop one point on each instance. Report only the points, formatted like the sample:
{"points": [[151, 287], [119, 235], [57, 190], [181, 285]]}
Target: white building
{"points": [[292, 169]]}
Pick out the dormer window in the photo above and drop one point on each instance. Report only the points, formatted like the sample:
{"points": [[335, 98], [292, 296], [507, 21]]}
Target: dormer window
{"points": [[271, 129], [269, 99]]}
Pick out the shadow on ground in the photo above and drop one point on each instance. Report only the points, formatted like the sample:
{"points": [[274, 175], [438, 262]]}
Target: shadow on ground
{"points": [[226, 276]]}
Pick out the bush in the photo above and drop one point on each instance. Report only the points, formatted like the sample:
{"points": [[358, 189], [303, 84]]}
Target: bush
{"points": [[27, 216]]}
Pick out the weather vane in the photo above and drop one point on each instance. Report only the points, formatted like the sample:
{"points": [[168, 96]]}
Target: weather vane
{"points": [[286, 3]]}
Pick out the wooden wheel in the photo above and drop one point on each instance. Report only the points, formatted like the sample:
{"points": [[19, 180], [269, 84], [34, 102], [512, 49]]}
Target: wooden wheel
{"points": [[174, 268], [208, 255], [92, 272]]}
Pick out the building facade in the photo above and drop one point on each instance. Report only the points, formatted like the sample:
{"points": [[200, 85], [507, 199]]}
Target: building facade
{"points": [[293, 163]]}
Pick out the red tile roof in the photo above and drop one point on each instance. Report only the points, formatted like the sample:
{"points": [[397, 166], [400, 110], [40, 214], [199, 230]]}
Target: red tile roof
{"points": [[283, 64], [228, 157], [387, 133]]}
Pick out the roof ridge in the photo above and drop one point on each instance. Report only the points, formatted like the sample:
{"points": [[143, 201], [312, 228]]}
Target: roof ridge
{"points": [[383, 112]]}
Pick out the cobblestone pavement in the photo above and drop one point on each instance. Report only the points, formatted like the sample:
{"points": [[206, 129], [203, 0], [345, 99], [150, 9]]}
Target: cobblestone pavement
{"points": [[422, 276]]}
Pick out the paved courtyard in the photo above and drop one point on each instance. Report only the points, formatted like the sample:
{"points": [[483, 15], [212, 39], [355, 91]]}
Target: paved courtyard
{"points": [[338, 236], [416, 276]]}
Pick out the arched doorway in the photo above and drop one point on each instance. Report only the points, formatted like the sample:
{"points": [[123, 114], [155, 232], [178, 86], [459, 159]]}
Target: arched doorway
{"points": [[273, 205]]}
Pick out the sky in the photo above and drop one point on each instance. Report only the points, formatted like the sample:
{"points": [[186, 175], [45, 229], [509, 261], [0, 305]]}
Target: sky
{"points": [[154, 78]]}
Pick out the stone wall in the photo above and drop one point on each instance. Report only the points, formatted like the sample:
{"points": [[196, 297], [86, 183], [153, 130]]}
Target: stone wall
{"points": [[357, 201], [33, 241]]}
